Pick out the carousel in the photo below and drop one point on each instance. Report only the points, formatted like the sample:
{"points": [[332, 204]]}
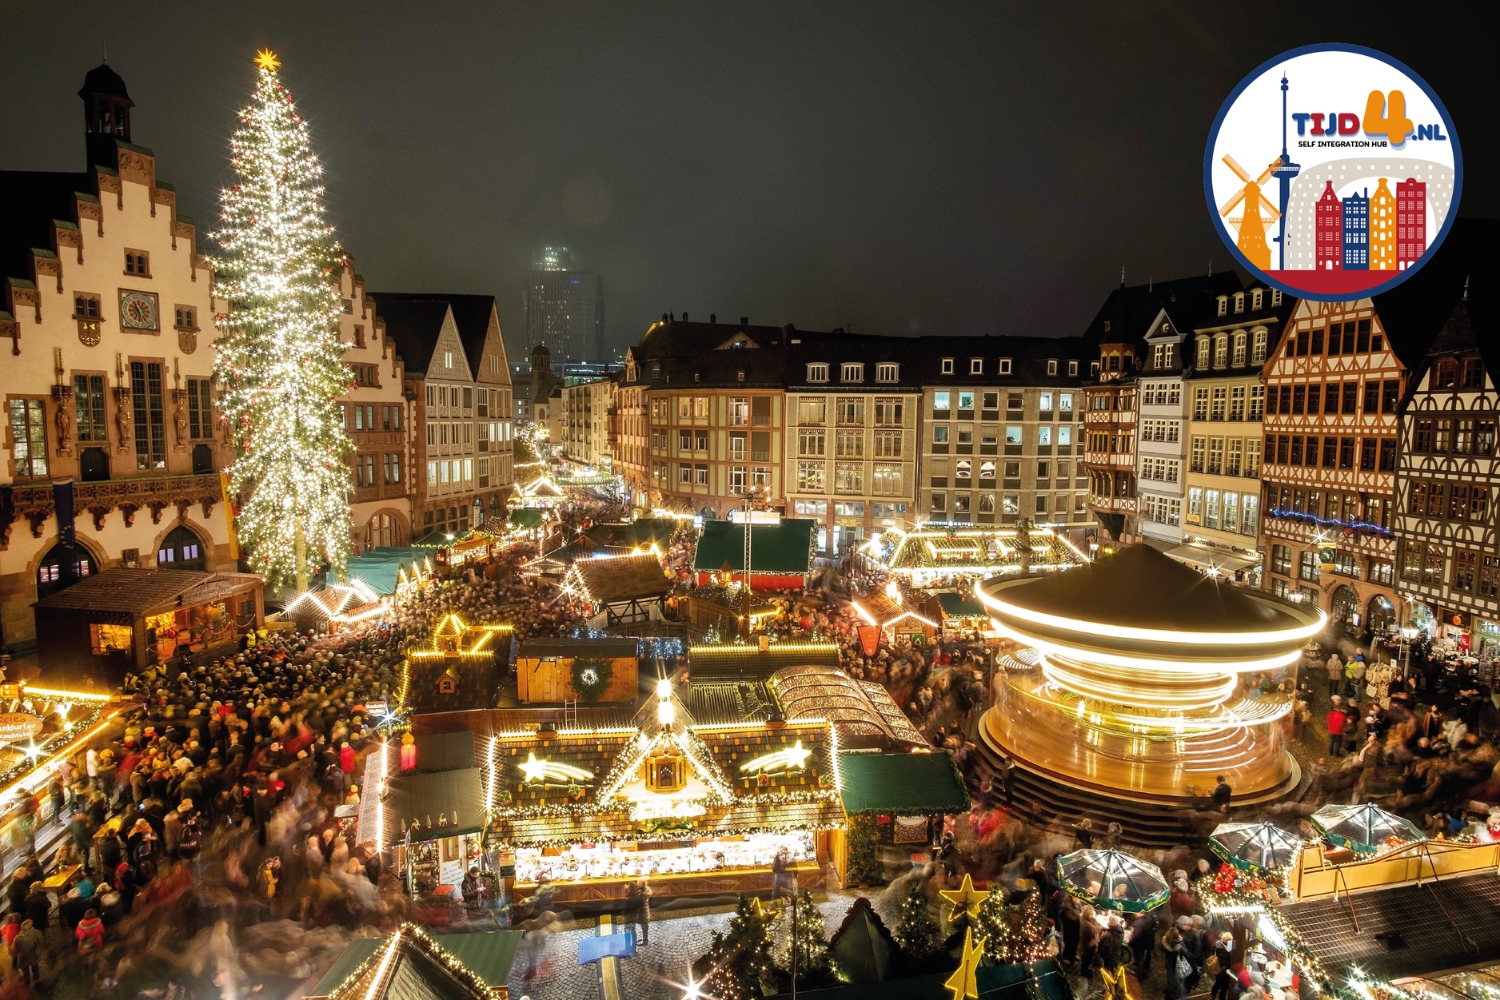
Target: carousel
{"points": [[1149, 680]]}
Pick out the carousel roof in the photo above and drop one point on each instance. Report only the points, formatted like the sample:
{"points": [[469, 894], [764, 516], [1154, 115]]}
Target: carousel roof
{"points": [[1141, 587]]}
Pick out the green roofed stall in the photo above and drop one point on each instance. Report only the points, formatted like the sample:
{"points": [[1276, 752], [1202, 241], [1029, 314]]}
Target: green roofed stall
{"points": [[780, 554], [380, 567], [902, 784], [488, 955], [956, 606], [440, 539], [526, 517]]}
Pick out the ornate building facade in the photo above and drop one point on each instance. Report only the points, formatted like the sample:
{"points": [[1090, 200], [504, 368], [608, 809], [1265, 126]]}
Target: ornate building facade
{"points": [[112, 445]]}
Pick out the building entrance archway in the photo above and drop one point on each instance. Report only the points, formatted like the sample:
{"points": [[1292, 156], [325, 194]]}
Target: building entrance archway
{"points": [[1344, 606], [1380, 615]]}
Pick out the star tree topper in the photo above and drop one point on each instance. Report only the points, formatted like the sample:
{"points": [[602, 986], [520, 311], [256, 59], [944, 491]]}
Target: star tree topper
{"points": [[963, 982], [266, 60], [964, 898]]}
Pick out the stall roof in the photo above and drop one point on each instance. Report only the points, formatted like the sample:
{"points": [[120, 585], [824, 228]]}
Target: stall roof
{"points": [[903, 784], [379, 567], [955, 605], [446, 751], [880, 610], [435, 804], [526, 517], [609, 646], [487, 955], [736, 660], [622, 578], [1408, 911], [784, 548], [863, 710], [148, 591], [439, 540]]}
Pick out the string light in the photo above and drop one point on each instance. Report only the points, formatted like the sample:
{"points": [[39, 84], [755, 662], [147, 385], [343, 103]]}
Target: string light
{"points": [[1329, 522], [279, 356]]}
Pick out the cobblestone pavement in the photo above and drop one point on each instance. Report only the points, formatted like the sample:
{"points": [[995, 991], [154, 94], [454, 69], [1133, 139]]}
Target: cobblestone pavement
{"points": [[547, 967]]}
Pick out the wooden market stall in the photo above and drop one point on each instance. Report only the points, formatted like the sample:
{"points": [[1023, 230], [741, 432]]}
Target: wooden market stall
{"points": [[125, 620], [545, 670], [620, 589]]}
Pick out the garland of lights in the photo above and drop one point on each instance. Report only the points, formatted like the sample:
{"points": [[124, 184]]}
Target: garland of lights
{"points": [[279, 356], [30, 760], [1329, 522], [414, 933]]}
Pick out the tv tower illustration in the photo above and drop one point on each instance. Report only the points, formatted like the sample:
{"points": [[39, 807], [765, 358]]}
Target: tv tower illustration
{"points": [[1284, 173]]}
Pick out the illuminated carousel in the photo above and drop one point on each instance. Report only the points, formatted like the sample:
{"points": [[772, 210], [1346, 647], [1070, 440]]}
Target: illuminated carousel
{"points": [[1142, 680]]}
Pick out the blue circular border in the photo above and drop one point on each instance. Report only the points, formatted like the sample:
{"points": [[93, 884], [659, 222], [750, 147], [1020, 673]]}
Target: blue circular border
{"points": [[1255, 74]]}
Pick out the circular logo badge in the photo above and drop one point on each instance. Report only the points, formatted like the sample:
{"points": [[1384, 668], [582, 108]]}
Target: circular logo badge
{"points": [[1333, 172]]}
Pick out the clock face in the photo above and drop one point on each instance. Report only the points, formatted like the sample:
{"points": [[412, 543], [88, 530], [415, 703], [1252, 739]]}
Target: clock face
{"points": [[138, 311]]}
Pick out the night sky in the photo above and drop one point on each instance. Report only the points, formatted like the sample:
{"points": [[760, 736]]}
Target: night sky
{"points": [[904, 168]]}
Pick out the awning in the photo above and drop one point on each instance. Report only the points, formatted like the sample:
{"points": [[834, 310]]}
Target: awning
{"points": [[1212, 557], [906, 784]]}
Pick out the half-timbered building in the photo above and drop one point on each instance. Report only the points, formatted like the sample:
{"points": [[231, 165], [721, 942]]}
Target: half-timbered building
{"points": [[1448, 562], [1329, 460]]}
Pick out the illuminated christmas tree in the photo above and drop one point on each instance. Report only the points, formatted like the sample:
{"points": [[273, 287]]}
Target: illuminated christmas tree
{"points": [[995, 923], [739, 965], [810, 937], [916, 930], [1028, 939], [280, 360]]}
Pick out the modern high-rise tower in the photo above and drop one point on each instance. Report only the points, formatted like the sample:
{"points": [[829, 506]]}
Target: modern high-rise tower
{"points": [[565, 308]]}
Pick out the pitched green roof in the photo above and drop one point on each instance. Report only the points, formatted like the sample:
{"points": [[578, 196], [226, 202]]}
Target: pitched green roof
{"points": [[526, 517], [903, 784], [488, 955], [783, 548], [954, 606]]}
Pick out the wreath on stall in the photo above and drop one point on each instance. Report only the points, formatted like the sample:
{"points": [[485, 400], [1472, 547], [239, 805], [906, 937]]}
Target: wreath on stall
{"points": [[591, 676]]}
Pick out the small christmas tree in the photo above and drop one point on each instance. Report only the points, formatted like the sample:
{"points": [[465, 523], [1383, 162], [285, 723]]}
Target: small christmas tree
{"points": [[916, 930], [740, 960], [1028, 940], [810, 937], [995, 924]]}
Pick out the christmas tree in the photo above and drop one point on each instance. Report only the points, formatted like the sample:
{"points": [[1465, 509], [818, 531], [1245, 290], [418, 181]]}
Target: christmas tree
{"points": [[916, 930], [1028, 939], [995, 923], [280, 360], [810, 937], [739, 961]]}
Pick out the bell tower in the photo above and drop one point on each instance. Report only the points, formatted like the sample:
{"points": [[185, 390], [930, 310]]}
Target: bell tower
{"points": [[106, 111]]}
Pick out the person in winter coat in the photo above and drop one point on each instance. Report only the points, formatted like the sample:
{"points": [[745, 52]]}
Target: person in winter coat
{"points": [[1335, 667], [27, 952], [1171, 944], [1143, 943], [1337, 720], [38, 906], [1089, 933], [1223, 958], [90, 933]]}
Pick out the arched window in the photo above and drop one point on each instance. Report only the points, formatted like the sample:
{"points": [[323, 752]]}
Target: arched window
{"points": [[1239, 349], [1202, 361], [181, 549], [1221, 350], [1258, 354], [62, 566]]}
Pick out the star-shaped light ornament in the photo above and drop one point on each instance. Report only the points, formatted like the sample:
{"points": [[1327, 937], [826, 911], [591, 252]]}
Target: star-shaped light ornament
{"points": [[964, 898], [266, 60], [963, 982]]}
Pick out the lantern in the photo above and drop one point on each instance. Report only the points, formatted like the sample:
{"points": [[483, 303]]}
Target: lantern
{"points": [[408, 752]]}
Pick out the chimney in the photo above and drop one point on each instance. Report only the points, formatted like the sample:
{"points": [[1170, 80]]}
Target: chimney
{"points": [[684, 316], [713, 317], [744, 321]]}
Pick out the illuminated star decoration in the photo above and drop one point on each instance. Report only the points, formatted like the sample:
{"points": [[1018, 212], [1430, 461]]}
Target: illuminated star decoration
{"points": [[266, 60], [963, 981], [793, 758], [964, 898], [541, 770]]}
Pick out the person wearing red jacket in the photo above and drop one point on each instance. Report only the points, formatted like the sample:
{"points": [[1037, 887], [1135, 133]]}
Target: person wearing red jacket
{"points": [[1337, 721], [90, 933], [346, 759]]}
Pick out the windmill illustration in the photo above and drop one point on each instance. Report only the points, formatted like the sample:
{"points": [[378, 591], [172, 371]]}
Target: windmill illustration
{"points": [[1257, 215]]}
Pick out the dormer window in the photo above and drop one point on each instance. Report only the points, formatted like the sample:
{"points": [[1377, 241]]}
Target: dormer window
{"points": [[947, 366], [1005, 366], [1275, 297], [887, 373], [1239, 302], [630, 371], [655, 372], [1072, 368], [976, 366], [1106, 326], [817, 373], [1051, 366], [739, 376], [1256, 298], [851, 372], [1223, 304]]}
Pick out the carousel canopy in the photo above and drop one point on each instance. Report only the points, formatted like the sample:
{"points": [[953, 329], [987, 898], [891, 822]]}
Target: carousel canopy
{"points": [[1364, 828], [1141, 587], [1113, 880], [1254, 846]]}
